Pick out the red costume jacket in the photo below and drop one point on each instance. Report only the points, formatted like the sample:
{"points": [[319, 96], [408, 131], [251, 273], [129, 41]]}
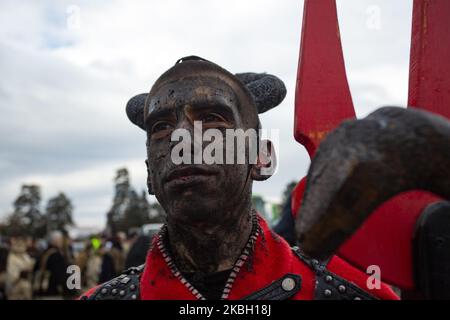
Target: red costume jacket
{"points": [[268, 269]]}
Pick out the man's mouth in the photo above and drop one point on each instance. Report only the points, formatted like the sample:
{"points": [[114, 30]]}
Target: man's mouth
{"points": [[188, 174]]}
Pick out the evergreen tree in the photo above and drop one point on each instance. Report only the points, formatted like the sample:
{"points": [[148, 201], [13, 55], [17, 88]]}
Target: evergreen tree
{"points": [[129, 209], [138, 211], [59, 213], [121, 199], [27, 218]]}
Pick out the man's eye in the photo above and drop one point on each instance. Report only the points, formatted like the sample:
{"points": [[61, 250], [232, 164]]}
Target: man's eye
{"points": [[212, 117], [161, 126]]}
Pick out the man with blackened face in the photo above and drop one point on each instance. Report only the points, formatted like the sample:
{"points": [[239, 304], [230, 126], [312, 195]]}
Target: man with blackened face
{"points": [[214, 245]]}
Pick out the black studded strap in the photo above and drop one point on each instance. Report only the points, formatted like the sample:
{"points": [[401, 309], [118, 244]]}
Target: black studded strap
{"points": [[330, 286], [123, 287]]}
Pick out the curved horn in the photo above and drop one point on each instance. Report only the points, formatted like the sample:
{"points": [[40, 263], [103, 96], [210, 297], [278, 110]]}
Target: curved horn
{"points": [[135, 110], [267, 90], [366, 162]]}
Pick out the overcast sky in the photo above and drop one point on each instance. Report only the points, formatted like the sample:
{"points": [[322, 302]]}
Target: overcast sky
{"points": [[67, 69]]}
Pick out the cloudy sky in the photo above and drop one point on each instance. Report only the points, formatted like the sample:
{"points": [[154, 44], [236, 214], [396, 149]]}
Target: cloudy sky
{"points": [[67, 69]]}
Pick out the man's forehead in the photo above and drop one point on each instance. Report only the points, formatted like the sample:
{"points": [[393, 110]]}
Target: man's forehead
{"points": [[192, 91]]}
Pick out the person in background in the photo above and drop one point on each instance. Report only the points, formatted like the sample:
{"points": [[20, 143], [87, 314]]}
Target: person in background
{"points": [[21, 289], [50, 279], [138, 252], [113, 262], [33, 249], [3, 274], [19, 267], [90, 263], [121, 237], [286, 226], [67, 249]]}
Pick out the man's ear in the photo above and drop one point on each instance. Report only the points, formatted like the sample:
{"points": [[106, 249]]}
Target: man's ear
{"points": [[266, 163], [149, 180]]}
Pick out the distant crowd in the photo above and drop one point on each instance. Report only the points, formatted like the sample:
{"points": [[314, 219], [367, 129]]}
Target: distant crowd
{"points": [[38, 269]]}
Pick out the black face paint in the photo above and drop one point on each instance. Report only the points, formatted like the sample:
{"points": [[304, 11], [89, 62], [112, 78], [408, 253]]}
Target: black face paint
{"points": [[192, 193]]}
